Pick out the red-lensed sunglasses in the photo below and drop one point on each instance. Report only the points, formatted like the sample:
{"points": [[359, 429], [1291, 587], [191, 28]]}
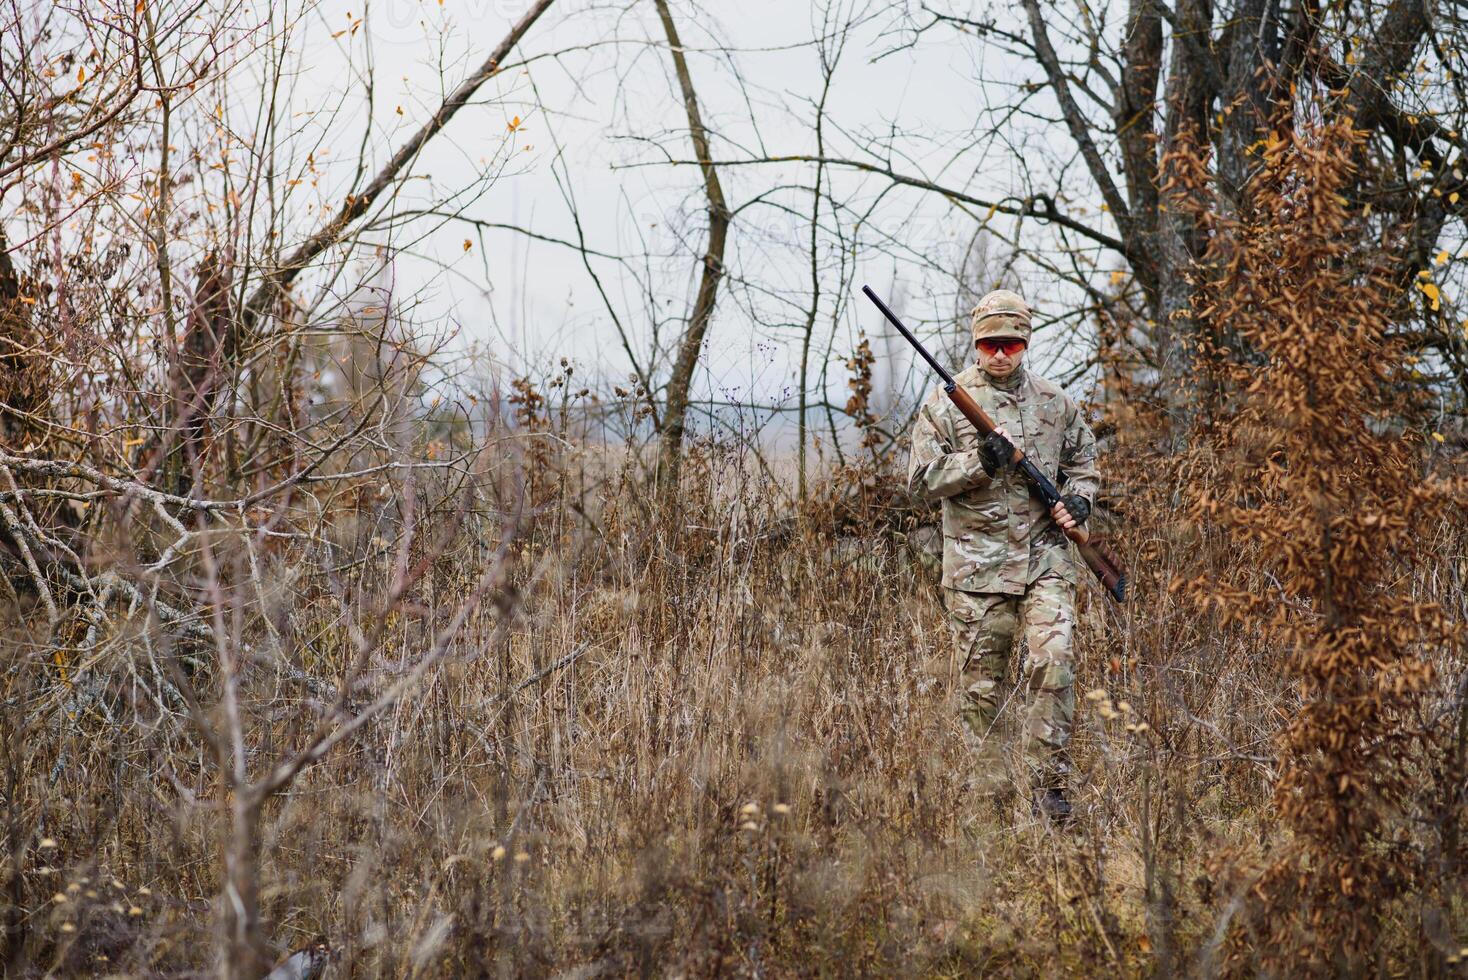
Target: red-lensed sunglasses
{"points": [[1009, 345]]}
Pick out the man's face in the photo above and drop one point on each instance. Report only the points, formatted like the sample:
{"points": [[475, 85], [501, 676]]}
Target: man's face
{"points": [[999, 356]]}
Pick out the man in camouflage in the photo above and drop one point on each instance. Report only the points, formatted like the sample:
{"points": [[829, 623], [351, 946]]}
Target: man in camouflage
{"points": [[1007, 565]]}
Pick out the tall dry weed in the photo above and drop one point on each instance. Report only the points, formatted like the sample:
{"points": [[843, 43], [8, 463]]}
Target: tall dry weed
{"points": [[1321, 485]]}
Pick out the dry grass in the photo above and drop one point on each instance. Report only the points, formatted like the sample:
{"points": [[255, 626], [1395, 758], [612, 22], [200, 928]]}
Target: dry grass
{"points": [[749, 766], [719, 738]]}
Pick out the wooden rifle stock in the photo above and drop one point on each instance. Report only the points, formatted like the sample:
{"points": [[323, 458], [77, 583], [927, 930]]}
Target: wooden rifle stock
{"points": [[1094, 550]]}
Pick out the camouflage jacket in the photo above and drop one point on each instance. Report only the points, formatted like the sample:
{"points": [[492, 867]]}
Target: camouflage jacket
{"points": [[997, 536]]}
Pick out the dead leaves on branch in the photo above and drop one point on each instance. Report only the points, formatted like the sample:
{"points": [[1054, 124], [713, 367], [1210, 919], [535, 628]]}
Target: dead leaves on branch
{"points": [[1317, 429]]}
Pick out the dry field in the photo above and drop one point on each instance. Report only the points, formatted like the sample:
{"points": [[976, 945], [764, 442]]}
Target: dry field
{"points": [[719, 742], [342, 634]]}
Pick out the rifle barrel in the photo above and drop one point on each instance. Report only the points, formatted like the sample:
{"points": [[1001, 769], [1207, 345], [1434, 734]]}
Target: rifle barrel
{"points": [[941, 371]]}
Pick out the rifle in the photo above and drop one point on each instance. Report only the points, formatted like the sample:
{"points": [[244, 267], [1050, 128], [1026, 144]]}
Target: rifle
{"points": [[1094, 549]]}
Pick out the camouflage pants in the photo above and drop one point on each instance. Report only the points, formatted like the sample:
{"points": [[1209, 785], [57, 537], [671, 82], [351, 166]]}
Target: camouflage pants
{"points": [[984, 626]]}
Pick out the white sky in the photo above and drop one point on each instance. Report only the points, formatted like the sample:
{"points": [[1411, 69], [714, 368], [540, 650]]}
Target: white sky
{"points": [[527, 303]]}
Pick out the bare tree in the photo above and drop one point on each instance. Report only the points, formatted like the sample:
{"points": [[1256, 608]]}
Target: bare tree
{"points": [[168, 510], [1121, 93], [1233, 72], [680, 382]]}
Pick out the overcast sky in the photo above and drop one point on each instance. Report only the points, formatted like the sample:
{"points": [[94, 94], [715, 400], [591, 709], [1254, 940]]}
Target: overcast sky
{"points": [[609, 103]]}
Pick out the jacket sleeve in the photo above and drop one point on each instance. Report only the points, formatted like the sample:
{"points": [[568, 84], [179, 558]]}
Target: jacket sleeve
{"points": [[934, 470], [1078, 455]]}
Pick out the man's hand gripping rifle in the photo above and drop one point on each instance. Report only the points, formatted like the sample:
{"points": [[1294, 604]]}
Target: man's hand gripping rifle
{"points": [[1098, 557]]}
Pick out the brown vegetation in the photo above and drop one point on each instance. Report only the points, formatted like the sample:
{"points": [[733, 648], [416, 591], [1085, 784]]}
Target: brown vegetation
{"points": [[299, 657], [1320, 437], [719, 746]]}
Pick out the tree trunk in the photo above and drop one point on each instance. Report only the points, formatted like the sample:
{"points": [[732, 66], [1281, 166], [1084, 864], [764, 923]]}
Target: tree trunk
{"points": [[1180, 242], [1136, 101], [670, 437], [24, 368], [243, 952], [815, 283]]}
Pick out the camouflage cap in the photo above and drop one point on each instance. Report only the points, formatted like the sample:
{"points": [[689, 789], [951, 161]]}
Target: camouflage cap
{"points": [[1002, 313]]}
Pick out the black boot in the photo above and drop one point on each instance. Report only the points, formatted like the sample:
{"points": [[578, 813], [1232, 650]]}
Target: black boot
{"points": [[1050, 803]]}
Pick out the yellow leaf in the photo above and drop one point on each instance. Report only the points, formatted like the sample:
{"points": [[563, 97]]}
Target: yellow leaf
{"points": [[81, 74], [514, 124], [1118, 277], [1442, 257], [1453, 198], [1438, 436], [1433, 294], [468, 244]]}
